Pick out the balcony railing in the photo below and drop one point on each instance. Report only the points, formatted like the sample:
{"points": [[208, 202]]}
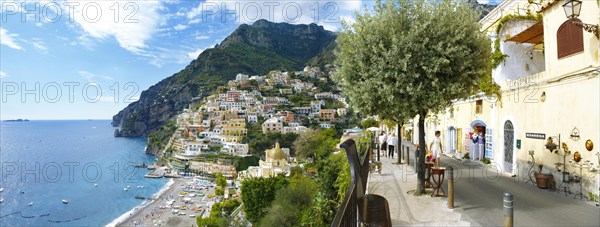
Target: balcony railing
{"points": [[357, 207], [347, 214]]}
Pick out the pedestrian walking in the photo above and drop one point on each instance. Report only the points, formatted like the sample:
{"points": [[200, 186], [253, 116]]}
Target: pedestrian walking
{"points": [[383, 142], [436, 148], [392, 142]]}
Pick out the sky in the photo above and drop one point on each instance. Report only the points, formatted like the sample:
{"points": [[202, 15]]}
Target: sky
{"points": [[67, 59]]}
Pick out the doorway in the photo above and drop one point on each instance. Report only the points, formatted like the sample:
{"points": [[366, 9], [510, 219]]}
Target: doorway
{"points": [[452, 140], [509, 136]]}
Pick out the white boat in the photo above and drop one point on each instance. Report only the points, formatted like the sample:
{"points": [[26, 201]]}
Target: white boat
{"points": [[30, 204], [65, 201], [125, 189], [1, 200], [1, 189], [95, 185]]}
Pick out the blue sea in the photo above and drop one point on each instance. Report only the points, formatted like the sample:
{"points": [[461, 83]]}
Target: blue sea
{"points": [[44, 162]]}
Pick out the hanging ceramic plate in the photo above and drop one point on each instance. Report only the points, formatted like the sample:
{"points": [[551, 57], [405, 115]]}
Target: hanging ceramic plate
{"points": [[577, 156], [589, 145]]}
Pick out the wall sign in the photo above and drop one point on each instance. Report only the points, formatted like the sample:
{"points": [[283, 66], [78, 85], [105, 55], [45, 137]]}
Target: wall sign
{"points": [[532, 135]]}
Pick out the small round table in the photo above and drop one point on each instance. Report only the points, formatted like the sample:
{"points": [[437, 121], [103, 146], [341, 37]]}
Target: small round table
{"points": [[428, 166], [437, 174]]}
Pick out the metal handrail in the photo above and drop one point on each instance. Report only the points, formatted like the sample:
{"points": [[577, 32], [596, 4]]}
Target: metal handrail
{"points": [[347, 214]]}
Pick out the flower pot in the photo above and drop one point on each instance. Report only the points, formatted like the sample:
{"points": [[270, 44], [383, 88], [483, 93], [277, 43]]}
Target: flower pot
{"points": [[542, 180]]}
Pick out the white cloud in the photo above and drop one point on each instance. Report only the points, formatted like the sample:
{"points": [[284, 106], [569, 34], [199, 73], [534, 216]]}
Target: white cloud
{"points": [[86, 75], [90, 77], [136, 22], [194, 54], [160, 56], [194, 21], [9, 39], [38, 44], [3, 74], [295, 12], [202, 37], [180, 27]]}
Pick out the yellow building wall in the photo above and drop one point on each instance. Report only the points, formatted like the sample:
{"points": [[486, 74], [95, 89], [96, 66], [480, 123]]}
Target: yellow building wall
{"points": [[464, 112], [555, 16], [568, 105]]}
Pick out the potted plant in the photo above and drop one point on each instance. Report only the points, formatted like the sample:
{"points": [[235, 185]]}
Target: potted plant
{"points": [[542, 179]]}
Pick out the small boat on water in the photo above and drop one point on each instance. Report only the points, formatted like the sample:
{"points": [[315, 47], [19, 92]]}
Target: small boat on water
{"points": [[143, 165], [95, 185], [125, 189], [22, 192], [65, 201], [30, 204], [1, 200], [140, 197], [1, 189]]}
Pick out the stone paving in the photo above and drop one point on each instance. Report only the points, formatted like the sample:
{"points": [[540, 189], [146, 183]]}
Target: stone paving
{"points": [[396, 183]]}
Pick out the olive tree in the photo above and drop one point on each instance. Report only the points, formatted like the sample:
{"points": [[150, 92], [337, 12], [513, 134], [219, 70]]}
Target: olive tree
{"points": [[412, 57]]}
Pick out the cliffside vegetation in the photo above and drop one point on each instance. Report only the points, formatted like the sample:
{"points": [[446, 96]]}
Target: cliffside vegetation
{"points": [[251, 49]]}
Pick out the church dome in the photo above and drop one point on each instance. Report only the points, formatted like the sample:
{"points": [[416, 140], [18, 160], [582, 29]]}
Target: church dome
{"points": [[276, 153]]}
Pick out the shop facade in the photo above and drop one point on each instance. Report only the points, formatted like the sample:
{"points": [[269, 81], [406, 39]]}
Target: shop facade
{"points": [[547, 91]]}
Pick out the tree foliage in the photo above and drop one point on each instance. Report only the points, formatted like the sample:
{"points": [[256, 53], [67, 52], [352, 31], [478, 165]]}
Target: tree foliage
{"points": [[226, 207], [259, 142], [258, 194], [220, 180], [409, 57], [290, 203], [212, 222], [316, 143], [367, 123]]}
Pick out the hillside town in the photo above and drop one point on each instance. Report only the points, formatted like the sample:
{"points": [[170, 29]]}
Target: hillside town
{"points": [[280, 102]]}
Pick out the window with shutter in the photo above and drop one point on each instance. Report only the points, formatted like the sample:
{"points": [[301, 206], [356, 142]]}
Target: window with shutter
{"points": [[569, 38]]}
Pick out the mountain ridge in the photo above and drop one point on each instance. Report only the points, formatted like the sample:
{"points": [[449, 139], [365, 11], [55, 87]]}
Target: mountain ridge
{"points": [[251, 49]]}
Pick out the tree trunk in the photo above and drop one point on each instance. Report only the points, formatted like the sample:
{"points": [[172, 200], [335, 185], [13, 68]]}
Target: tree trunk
{"points": [[399, 144], [421, 155]]}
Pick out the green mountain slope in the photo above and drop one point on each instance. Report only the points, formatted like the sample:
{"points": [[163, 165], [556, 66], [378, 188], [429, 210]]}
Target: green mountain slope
{"points": [[251, 49]]}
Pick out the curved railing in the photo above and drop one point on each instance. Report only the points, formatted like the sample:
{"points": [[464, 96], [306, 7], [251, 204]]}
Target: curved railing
{"points": [[347, 214]]}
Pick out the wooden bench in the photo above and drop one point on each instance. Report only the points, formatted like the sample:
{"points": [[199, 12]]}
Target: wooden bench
{"points": [[374, 210]]}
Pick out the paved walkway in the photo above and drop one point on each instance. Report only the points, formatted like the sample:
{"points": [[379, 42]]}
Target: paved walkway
{"points": [[396, 183], [478, 198]]}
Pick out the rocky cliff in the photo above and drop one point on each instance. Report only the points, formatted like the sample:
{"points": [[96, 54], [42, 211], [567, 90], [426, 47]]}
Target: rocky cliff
{"points": [[251, 49]]}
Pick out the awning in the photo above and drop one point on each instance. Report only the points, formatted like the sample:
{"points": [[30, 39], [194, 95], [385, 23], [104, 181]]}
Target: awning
{"points": [[533, 34], [478, 122]]}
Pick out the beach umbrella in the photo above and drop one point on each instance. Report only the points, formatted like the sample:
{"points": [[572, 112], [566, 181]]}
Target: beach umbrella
{"points": [[373, 129], [476, 123]]}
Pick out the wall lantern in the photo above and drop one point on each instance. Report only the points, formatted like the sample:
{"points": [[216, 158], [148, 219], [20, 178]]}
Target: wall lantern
{"points": [[572, 9]]}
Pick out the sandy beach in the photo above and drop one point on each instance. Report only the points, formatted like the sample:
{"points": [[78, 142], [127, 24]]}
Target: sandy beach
{"points": [[171, 208]]}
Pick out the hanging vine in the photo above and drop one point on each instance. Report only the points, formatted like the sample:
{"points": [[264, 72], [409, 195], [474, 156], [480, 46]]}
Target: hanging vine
{"points": [[497, 56], [487, 84]]}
